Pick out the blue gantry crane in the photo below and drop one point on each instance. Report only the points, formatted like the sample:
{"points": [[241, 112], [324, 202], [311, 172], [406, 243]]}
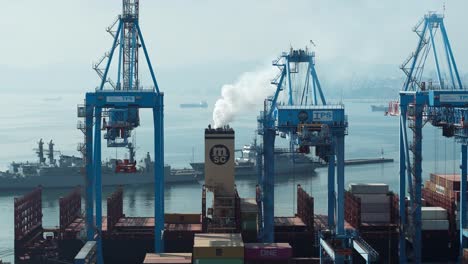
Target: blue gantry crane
{"points": [[444, 104], [305, 116], [120, 101]]}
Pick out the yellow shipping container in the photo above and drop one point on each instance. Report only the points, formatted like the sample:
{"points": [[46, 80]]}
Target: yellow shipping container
{"points": [[218, 246]]}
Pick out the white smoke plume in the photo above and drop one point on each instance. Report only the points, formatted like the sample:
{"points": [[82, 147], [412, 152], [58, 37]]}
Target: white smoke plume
{"points": [[246, 94]]}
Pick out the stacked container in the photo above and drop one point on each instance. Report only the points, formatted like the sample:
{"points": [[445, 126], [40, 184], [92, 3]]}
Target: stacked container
{"points": [[370, 209], [218, 248], [249, 219], [446, 184], [263, 253], [434, 218], [375, 202], [435, 234], [442, 191], [179, 231], [168, 258]]}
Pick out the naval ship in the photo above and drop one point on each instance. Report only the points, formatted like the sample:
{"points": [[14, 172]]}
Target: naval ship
{"points": [[68, 171], [286, 163]]}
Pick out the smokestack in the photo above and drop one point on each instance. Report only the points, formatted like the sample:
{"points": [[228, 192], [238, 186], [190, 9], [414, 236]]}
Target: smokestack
{"points": [[219, 160]]}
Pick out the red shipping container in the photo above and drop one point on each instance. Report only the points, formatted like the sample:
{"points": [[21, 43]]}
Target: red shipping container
{"points": [[267, 251]]}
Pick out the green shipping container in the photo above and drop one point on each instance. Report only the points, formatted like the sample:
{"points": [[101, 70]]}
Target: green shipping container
{"points": [[249, 216], [249, 225], [218, 261]]}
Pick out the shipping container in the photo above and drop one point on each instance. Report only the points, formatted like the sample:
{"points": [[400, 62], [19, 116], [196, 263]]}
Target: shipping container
{"points": [[267, 251], [435, 225], [373, 198], [178, 255], [433, 213], [249, 225], [114, 209], [180, 237], [436, 247], [289, 224], [368, 188], [375, 207], [248, 205], [168, 258], [382, 217], [153, 259], [182, 218], [465, 256], [449, 181], [217, 246], [249, 214]]}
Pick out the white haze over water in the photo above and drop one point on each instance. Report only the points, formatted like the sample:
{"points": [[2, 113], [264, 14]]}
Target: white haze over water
{"points": [[246, 94]]}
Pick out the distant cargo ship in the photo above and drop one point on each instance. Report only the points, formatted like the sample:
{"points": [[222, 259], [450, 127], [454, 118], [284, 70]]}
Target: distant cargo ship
{"points": [[285, 163], [68, 172], [202, 104], [379, 108]]}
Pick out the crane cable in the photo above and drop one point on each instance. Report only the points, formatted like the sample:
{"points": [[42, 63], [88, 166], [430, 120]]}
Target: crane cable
{"points": [[436, 158], [445, 163], [454, 158]]}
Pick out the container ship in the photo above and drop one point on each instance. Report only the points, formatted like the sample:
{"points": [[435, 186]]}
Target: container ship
{"points": [[68, 171], [227, 229]]}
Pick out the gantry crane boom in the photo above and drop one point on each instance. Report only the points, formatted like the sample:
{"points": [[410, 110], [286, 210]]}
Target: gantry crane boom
{"points": [[121, 103], [309, 123], [445, 105]]}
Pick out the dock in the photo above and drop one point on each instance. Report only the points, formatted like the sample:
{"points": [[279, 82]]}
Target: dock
{"points": [[352, 162], [363, 161]]}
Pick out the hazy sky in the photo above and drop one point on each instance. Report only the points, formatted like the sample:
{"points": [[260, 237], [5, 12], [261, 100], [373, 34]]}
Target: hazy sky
{"points": [[50, 44]]}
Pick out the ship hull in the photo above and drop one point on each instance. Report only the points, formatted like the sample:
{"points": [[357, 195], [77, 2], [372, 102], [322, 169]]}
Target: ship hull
{"points": [[297, 168], [112, 179]]}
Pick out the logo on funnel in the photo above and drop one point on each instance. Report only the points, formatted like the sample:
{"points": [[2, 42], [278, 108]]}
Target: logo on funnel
{"points": [[219, 154]]}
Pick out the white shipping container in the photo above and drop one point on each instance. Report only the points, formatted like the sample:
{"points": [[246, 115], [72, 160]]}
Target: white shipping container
{"points": [[433, 213], [375, 217], [368, 188], [373, 198], [434, 225]]}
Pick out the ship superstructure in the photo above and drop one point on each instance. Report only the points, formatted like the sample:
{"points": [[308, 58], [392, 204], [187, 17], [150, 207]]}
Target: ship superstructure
{"points": [[67, 171]]}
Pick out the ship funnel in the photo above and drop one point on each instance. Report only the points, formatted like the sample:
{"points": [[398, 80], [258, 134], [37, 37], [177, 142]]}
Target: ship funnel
{"points": [[219, 160]]}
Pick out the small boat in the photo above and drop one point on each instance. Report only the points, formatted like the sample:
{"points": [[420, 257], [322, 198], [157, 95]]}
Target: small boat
{"points": [[202, 104], [379, 108]]}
